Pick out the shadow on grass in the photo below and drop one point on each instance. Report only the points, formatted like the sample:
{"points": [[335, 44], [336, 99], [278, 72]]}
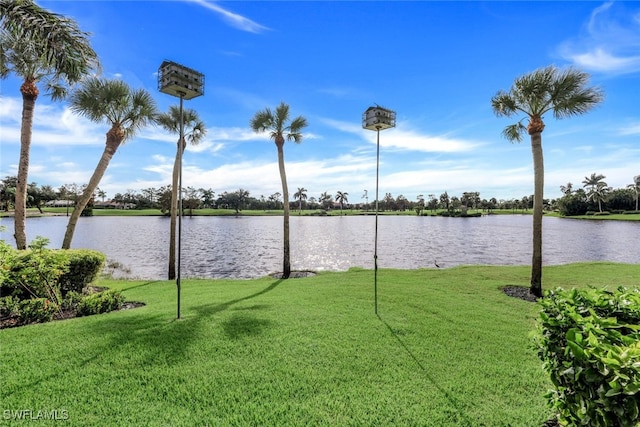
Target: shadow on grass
{"points": [[138, 339], [452, 400], [244, 325], [160, 341], [209, 309]]}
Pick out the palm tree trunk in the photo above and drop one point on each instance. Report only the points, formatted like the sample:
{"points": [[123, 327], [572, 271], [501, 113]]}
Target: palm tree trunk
{"points": [[538, 194], [286, 262], [29, 95], [115, 136], [174, 214]]}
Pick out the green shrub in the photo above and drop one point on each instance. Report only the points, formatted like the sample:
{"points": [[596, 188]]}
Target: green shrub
{"points": [[84, 267], [589, 342], [71, 300], [101, 302], [34, 273], [36, 310], [8, 257], [602, 213], [9, 307]]}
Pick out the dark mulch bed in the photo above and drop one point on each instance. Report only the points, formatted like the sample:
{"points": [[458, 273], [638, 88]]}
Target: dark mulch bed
{"points": [[12, 322], [519, 292], [294, 274]]}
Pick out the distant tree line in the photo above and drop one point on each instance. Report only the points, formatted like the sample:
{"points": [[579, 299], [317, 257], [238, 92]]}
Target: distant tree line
{"points": [[595, 196]]}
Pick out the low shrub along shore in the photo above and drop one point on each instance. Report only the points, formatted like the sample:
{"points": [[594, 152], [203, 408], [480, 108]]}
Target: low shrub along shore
{"points": [[449, 348]]}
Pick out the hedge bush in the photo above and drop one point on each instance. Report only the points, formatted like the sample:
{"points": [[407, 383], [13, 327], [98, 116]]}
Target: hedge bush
{"points": [[101, 302], [84, 267], [9, 306], [33, 273], [36, 310], [45, 273], [589, 342]]}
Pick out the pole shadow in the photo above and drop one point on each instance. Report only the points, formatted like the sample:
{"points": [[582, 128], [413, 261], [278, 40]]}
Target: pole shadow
{"points": [[452, 400]]}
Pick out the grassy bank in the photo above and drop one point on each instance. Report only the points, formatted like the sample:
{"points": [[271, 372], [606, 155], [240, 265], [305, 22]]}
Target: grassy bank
{"points": [[448, 348]]}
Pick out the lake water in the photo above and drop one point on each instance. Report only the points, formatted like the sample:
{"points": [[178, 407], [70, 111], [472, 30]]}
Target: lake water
{"points": [[248, 247]]}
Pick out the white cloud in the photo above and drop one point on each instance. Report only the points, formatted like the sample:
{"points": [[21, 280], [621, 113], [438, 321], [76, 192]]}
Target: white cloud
{"points": [[52, 125], [601, 60], [610, 41], [233, 19], [414, 141], [631, 129], [404, 138]]}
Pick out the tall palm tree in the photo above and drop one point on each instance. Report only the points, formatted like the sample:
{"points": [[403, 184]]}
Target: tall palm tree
{"points": [[275, 197], [280, 129], [40, 47], [300, 195], [126, 110], [341, 197], [566, 189], [593, 181], [325, 199], [195, 131], [597, 190], [564, 93], [636, 188]]}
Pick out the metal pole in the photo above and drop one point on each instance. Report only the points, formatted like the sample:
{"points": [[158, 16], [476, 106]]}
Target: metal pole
{"points": [[180, 149], [375, 247]]}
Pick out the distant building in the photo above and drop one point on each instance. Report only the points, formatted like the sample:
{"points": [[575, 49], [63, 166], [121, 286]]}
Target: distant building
{"points": [[60, 203]]}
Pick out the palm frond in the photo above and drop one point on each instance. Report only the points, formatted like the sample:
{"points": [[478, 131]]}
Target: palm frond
{"points": [[504, 104], [62, 46], [262, 120], [114, 102], [514, 132], [294, 129], [281, 117]]}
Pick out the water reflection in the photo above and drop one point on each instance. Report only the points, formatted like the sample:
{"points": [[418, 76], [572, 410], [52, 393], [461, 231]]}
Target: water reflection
{"points": [[246, 247]]}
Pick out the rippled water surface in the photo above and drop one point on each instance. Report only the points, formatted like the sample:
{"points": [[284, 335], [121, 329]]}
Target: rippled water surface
{"points": [[246, 247]]}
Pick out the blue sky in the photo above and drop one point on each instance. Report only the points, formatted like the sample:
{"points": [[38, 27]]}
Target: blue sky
{"points": [[437, 64]]}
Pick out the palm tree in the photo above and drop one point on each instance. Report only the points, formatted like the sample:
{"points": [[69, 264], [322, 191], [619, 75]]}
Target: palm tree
{"points": [[420, 205], [112, 102], [40, 47], [195, 131], [281, 129], [325, 199], [566, 189], [275, 197], [597, 190], [342, 199], [565, 94], [101, 193], [636, 188], [300, 195]]}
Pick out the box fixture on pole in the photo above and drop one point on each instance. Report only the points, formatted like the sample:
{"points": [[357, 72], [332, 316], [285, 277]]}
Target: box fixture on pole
{"points": [[180, 81], [184, 83], [377, 118]]}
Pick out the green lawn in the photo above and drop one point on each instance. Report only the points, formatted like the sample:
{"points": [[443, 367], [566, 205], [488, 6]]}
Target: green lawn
{"points": [[448, 349]]}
